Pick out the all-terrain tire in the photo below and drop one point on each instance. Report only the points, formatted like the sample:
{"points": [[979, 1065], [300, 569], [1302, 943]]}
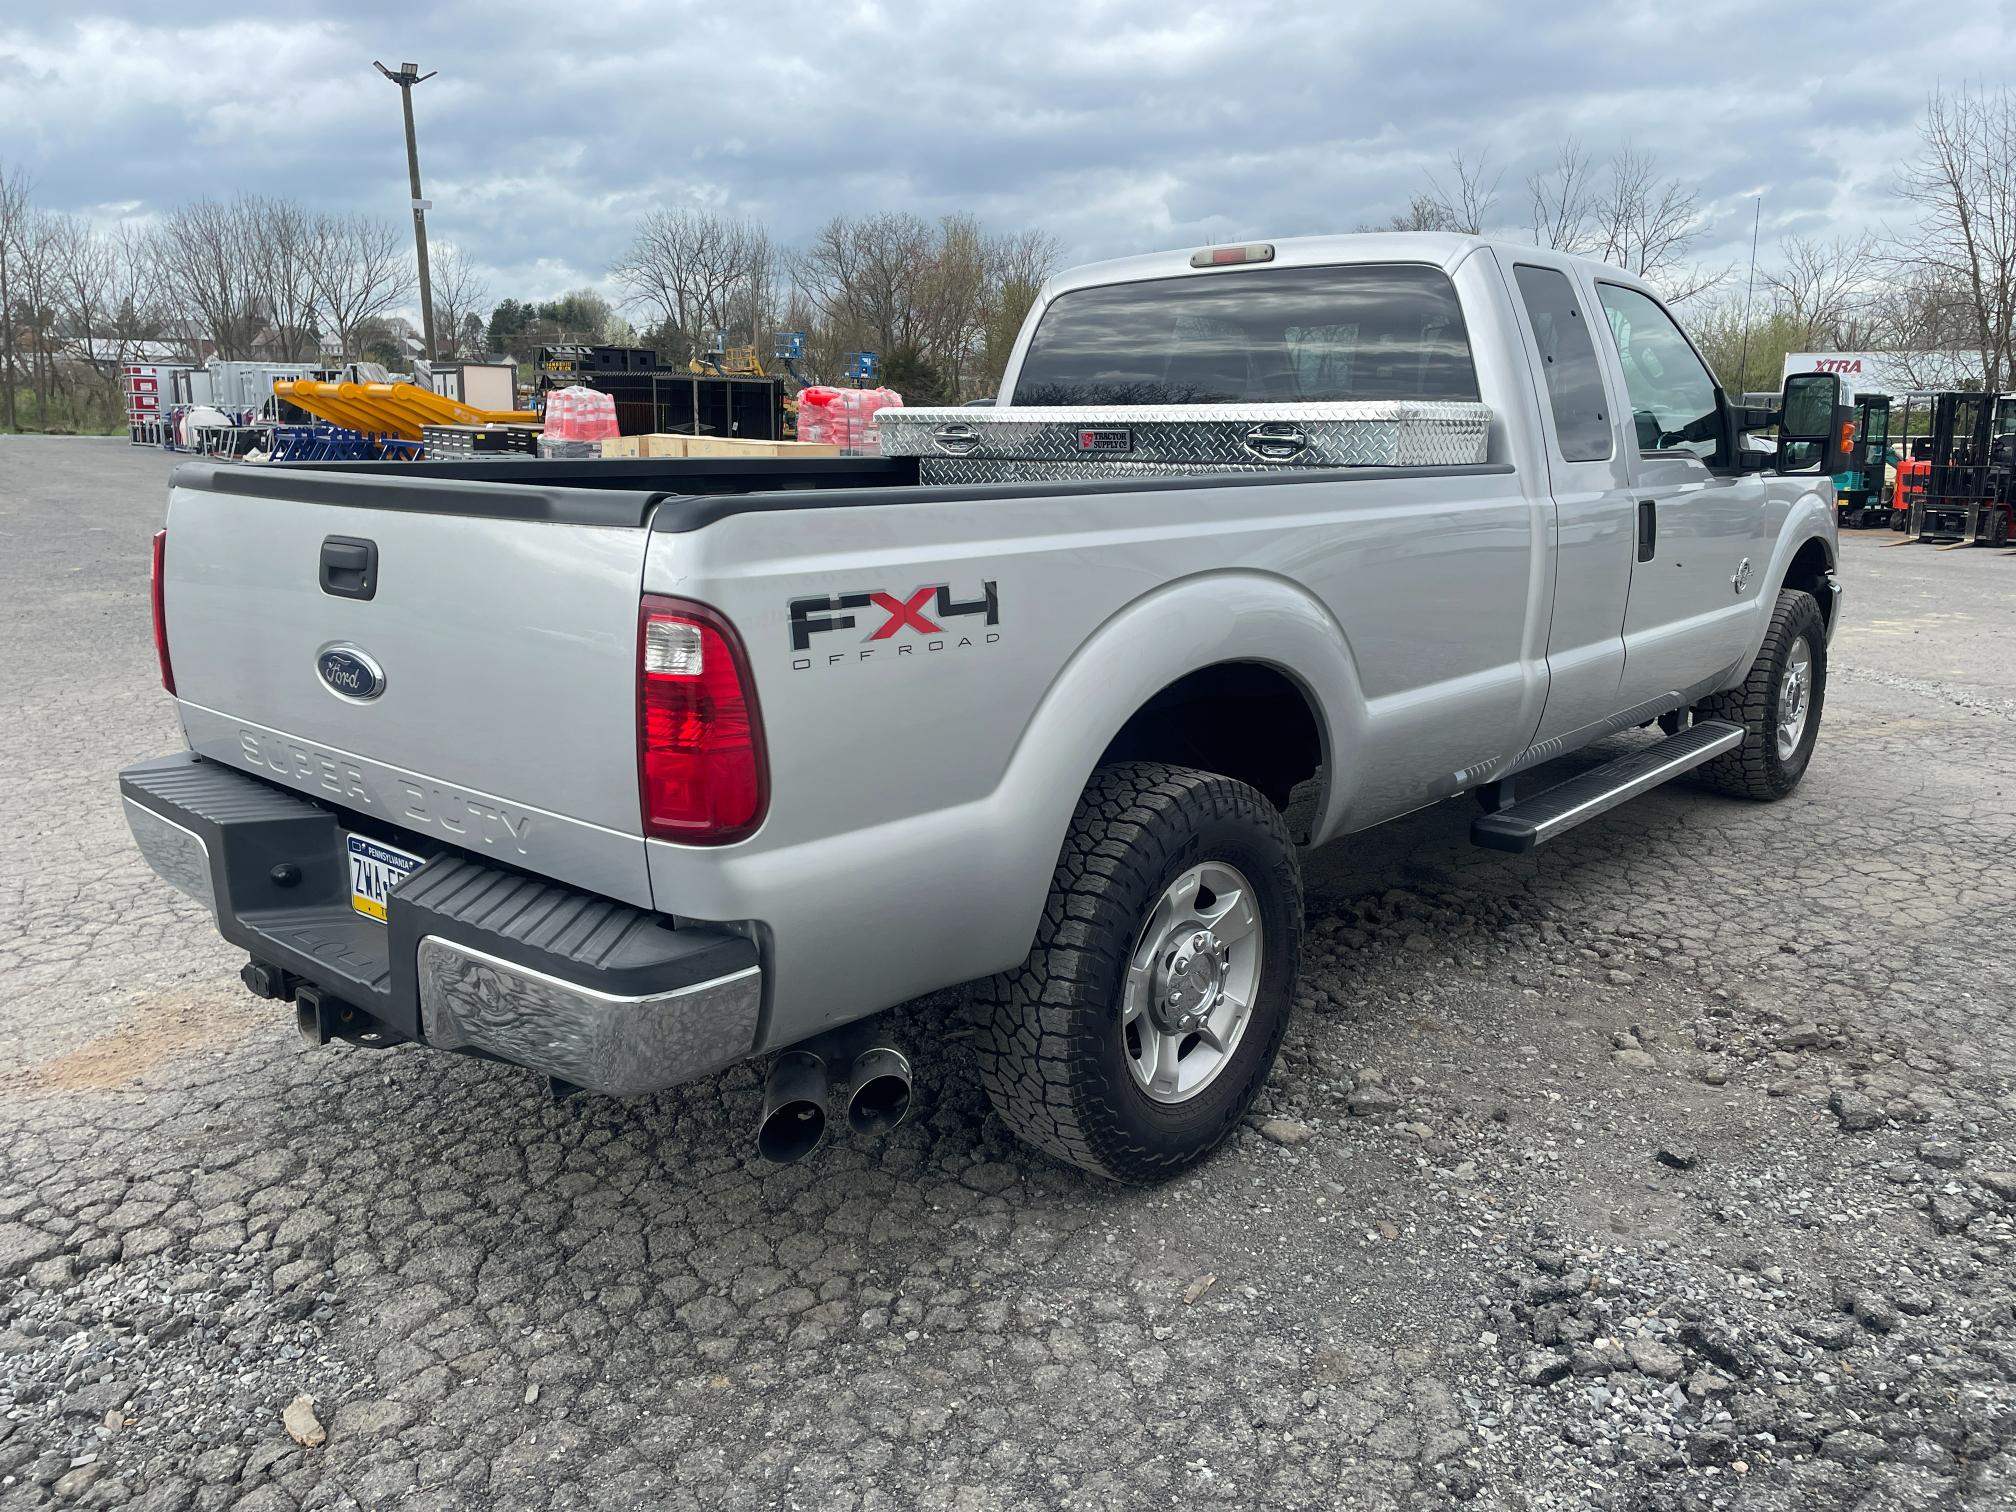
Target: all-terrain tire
{"points": [[1052, 1054], [1756, 769]]}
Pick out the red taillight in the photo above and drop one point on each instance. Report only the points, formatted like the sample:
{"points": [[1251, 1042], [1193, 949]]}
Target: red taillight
{"points": [[701, 775], [157, 588]]}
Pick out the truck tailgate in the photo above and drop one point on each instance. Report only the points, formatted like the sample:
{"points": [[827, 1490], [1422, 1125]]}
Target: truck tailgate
{"points": [[501, 641]]}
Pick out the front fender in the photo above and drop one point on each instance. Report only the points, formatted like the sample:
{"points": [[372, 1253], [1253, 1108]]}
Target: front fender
{"points": [[1810, 518]]}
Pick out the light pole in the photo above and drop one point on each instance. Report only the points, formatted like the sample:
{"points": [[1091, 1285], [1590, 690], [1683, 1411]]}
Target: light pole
{"points": [[408, 75]]}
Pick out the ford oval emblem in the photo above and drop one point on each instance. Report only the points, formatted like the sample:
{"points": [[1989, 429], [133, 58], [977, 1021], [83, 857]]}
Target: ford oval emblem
{"points": [[349, 672]]}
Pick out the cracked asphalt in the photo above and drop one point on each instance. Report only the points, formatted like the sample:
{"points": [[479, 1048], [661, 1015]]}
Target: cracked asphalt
{"points": [[1672, 1167]]}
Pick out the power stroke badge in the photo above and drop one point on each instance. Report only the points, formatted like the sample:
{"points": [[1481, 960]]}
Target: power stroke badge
{"points": [[926, 621]]}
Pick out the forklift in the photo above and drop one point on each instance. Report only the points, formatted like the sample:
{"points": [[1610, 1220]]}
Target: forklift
{"points": [[1861, 492], [1966, 491]]}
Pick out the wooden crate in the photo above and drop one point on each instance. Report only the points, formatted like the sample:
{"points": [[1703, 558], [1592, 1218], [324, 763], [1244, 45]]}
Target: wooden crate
{"points": [[731, 446], [623, 446]]}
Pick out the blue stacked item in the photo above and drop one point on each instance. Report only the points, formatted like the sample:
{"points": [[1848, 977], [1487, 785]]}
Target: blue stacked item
{"points": [[323, 442]]}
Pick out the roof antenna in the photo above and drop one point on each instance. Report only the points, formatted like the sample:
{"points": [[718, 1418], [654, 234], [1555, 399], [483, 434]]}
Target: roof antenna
{"points": [[1743, 362]]}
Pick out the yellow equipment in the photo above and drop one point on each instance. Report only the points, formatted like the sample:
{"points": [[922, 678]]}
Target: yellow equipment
{"points": [[389, 409], [730, 362]]}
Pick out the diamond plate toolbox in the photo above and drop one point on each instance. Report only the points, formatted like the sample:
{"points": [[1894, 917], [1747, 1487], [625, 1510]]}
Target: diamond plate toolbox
{"points": [[1033, 443]]}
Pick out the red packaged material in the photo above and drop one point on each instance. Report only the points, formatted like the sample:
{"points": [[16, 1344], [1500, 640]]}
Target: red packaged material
{"points": [[844, 417], [580, 414]]}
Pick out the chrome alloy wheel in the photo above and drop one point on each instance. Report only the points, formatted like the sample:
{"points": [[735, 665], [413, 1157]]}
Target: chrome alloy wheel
{"points": [[1795, 693], [1191, 982]]}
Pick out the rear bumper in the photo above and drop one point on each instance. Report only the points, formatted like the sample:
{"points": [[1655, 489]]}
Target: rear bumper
{"points": [[471, 957]]}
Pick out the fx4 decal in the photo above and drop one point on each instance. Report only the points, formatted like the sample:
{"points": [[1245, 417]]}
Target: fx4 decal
{"points": [[928, 611]]}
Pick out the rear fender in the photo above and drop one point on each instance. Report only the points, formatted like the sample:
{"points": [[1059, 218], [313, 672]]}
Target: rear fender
{"points": [[963, 888], [1157, 639]]}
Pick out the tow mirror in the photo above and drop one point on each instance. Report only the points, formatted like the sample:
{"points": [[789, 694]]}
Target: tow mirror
{"points": [[1809, 440]]}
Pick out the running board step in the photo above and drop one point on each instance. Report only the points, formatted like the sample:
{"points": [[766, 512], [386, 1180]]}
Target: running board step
{"points": [[1549, 815]]}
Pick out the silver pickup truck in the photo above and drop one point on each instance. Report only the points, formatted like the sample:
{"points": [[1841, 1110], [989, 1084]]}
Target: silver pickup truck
{"points": [[626, 770]]}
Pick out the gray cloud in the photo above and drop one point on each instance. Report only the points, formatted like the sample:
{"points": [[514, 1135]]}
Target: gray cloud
{"points": [[1120, 126]]}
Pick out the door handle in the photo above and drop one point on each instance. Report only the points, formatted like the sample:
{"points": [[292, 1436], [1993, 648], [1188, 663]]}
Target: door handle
{"points": [[1277, 440], [349, 567], [1648, 528]]}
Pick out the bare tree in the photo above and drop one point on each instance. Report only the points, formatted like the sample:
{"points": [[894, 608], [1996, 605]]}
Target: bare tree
{"points": [[459, 293], [284, 242], [1645, 224], [1961, 253], [209, 256], [866, 277], [1019, 264], [1465, 206], [14, 210], [1468, 203], [40, 249], [701, 272], [1559, 199], [754, 305], [358, 271], [952, 299], [1424, 212], [88, 279], [1926, 319], [1825, 289], [1629, 215]]}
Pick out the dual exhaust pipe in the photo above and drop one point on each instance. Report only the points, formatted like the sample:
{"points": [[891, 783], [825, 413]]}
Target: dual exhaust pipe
{"points": [[798, 1097]]}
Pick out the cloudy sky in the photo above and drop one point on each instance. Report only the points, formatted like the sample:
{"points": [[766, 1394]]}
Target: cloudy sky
{"points": [[1118, 125]]}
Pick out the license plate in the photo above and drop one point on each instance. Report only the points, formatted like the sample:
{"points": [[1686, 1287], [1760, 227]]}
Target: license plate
{"points": [[375, 869]]}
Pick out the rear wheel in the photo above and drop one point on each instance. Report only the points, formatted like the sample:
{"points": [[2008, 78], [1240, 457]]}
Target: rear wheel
{"points": [[1153, 1002], [1778, 705]]}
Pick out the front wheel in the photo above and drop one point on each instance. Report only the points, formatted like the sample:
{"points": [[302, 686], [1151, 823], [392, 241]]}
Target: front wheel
{"points": [[1153, 1002], [1778, 705]]}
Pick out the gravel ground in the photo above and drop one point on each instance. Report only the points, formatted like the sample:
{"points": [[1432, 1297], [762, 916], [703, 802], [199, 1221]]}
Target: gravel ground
{"points": [[1670, 1168]]}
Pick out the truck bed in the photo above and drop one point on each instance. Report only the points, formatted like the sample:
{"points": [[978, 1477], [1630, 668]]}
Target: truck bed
{"points": [[625, 491]]}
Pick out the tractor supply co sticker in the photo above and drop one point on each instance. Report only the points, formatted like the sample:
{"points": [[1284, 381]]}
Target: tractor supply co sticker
{"points": [[926, 621]]}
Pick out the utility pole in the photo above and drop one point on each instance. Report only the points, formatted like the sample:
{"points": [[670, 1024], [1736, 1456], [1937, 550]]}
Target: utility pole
{"points": [[408, 75]]}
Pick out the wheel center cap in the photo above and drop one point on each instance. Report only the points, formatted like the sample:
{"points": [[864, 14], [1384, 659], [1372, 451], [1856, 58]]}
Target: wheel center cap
{"points": [[1189, 974]]}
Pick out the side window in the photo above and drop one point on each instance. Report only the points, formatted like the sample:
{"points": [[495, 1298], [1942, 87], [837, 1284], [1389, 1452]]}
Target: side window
{"points": [[1672, 394], [1568, 358]]}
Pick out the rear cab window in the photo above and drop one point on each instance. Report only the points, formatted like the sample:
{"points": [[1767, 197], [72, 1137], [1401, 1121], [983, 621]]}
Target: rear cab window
{"points": [[1582, 428], [1254, 336]]}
